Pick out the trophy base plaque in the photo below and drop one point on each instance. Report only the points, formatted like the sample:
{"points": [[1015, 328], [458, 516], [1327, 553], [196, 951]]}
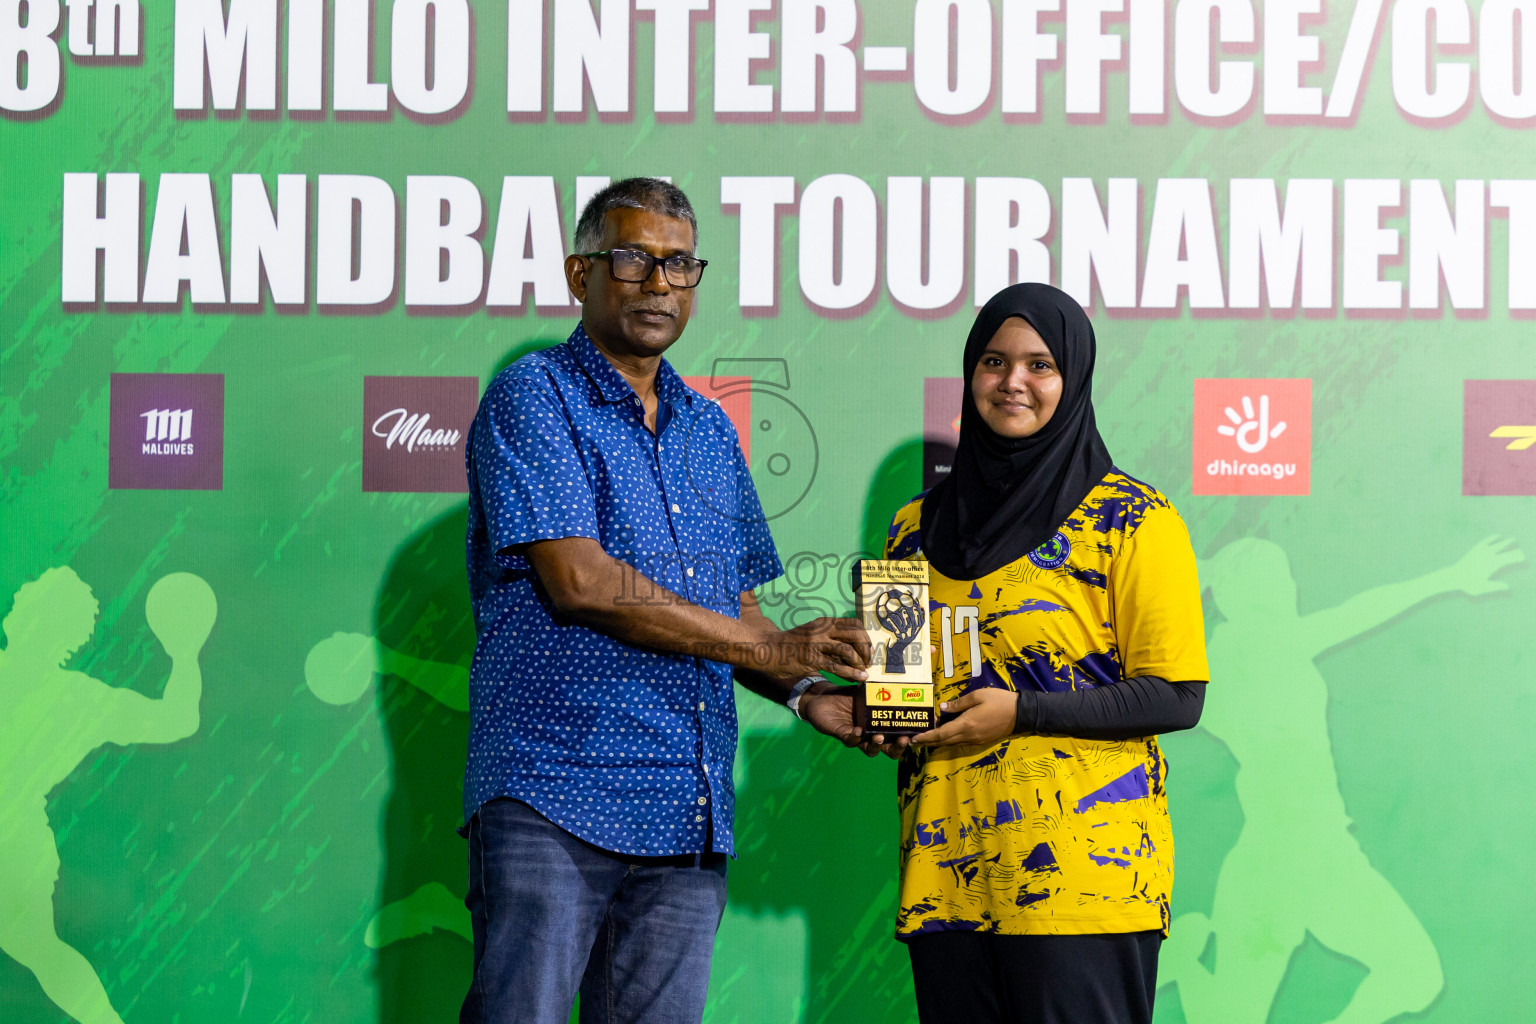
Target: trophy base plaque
{"points": [[895, 709], [898, 697]]}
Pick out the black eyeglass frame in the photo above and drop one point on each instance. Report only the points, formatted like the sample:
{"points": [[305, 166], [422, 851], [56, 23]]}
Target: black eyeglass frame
{"points": [[667, 265]]}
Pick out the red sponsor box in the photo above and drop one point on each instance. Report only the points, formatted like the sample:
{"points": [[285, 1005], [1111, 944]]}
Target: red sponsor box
{"points": [[735, 397], [1498, 444], [1253, 436]]}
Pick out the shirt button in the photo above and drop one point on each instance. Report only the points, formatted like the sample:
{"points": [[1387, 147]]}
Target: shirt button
{"points": [[676, 508], [698, 817], [701, 705], [689, 570], [703, 800]]}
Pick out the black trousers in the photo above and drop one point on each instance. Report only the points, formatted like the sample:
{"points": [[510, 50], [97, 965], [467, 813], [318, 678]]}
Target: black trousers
{"points": [[980, 978]]}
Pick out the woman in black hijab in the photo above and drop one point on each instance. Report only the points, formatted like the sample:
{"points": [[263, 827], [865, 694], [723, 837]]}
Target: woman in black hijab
{"points": [[1008, 490], [1036, 856]]}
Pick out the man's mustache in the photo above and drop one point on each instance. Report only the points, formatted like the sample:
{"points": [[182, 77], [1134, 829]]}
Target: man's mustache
{"points": [[666, 310]]}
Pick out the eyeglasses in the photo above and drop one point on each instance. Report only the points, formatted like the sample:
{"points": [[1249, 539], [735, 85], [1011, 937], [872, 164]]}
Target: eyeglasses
{"points": [[634, 266]]}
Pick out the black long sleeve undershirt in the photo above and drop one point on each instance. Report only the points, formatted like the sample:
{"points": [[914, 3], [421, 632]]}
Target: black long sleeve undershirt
{"points": [[1139, 706]]}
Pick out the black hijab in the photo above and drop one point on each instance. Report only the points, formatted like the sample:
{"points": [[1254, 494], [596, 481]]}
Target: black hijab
{"points": [[1007, 496]]}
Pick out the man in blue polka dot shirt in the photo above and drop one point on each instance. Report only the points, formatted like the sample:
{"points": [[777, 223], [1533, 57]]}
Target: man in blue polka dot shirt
{"points": [[615, 539]]}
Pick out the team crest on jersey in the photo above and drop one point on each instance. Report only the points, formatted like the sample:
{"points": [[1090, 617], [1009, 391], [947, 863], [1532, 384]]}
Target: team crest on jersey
{"points": [[1054, 553]]}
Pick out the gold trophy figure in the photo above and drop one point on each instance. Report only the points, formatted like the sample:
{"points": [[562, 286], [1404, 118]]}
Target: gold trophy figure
{"points": [[898, 697]]}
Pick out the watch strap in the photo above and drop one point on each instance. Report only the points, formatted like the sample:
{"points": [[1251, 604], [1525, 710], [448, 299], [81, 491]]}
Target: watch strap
{"points": [[797, 691]]}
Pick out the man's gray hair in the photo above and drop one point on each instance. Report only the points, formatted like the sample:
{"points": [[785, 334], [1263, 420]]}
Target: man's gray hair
{"points": [[651, 194]]}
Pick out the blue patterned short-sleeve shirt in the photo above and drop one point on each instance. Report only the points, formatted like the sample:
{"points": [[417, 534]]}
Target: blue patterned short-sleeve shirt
{"points": [[627, 748]]}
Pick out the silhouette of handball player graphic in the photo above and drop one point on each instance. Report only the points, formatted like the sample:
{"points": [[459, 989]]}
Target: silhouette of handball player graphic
{"points": [[1295, 867], [53, 718]]}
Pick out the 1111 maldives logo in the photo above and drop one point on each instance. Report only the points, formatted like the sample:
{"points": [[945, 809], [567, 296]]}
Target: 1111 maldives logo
{"points": [[1253, 437], [166, 432]]}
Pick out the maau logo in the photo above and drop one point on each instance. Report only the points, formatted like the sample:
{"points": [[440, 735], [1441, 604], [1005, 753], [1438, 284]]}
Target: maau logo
{"points": [[410, 430], [1253, 437], [414, 430], [167, 432], [1498, 434]]}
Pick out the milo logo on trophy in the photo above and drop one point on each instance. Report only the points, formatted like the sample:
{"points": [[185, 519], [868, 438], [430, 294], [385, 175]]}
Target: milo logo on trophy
{"points": [[892, 600]]}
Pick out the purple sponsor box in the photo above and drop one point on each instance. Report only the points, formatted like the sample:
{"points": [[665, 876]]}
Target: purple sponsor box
{"points": [[942, 398], [166, 432], [414, 432]]}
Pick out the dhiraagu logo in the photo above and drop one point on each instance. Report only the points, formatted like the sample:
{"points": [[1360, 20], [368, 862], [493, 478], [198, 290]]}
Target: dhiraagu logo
{"points": [[1252, 431], [1253, 437]]}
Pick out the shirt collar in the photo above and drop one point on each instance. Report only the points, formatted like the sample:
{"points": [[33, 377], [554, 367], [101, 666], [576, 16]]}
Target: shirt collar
{"points": [[669, 385], [608, 380]]}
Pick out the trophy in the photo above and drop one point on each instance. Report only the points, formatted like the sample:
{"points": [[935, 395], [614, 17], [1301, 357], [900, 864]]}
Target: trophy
{"points": [[898, 697]]}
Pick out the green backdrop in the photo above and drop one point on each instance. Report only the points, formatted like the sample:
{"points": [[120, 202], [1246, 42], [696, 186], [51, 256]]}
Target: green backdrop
{"points": [[1349, 818]]}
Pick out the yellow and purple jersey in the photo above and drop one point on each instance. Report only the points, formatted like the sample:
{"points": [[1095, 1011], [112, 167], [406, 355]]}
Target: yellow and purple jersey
{"points": [[1040, 835]]}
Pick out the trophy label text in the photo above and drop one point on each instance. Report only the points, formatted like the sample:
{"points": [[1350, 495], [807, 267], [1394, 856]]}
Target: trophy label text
{"points": [[876, 570], [900, 709]]}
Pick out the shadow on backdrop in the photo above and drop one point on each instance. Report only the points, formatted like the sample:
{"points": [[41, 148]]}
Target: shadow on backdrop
{"points": [[808, 932], [818, 831], [419, 658], [424, 632]]}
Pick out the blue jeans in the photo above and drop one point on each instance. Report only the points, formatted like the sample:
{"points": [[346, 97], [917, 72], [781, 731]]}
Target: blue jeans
{"points": [[552, 914]]}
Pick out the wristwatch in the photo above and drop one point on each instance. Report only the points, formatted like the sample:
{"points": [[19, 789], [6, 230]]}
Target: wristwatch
{"points": [[798, 691]]}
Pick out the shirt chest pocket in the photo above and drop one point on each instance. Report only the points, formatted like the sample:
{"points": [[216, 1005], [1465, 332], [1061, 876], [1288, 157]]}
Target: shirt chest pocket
{"points": [[710, 471]]}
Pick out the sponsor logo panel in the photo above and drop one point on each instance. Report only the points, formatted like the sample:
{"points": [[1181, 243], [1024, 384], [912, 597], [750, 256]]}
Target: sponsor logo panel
{"points": [[1498, 444], [1253, 436], [735, 397], [775, 434], [942, 401], [414, 433], [166, 432]]}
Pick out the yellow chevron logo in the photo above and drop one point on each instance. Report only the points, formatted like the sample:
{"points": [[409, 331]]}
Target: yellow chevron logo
{"points": [[1524, 437]]}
